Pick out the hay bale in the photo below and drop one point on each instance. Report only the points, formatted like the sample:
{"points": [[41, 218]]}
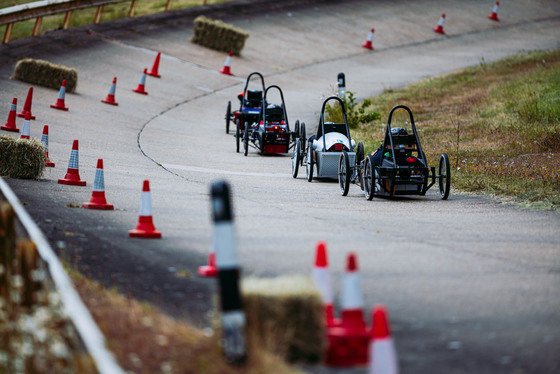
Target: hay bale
{"points": [[285, 316], [21, 158], [46, 74], [218, 35]]}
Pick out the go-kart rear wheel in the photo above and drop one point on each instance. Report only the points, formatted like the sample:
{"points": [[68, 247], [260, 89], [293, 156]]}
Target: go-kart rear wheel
{"points": [[295, 133], [228, 116], [369, 177], [302, 137], [359, 158], [296, 159], [309, 163], [444, 176], [246, 139], [344, 173], [237, 133]]}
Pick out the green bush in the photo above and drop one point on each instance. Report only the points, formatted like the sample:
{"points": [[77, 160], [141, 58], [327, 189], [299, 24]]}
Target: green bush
{"points": [[354, 114]]}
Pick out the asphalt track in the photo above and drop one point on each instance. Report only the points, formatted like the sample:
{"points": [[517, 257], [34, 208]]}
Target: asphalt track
{"points": [[471, 284]]}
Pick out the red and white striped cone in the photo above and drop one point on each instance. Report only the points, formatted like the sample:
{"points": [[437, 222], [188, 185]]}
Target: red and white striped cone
{"points": [[60, 105], [27, 106], [26, 129], [352, 300], [145, 227], [382, 353], [45, 142], [98, 200], [494, 15], [10, 124], [439, 27], [72, 176], [155, 67], [321, 277], [368, 43], [226, 69], [141, 89], [209, 270], [110, 99]]}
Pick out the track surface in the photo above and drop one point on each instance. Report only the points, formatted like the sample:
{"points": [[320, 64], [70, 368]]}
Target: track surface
{"points": [[471, 284]]}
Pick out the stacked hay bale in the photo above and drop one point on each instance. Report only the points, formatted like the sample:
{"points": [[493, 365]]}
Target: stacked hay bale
{"points": [[285, 316], [218, 35], [46, 74], [21, 158]]}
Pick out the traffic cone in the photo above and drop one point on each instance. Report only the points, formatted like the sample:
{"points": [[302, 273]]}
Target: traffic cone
{"points": [[352, 300], [321, 278], [61, 95], [494, 15], [27, 105], [226, 69], [10, 124], [72, 176], [209, 270], [155, 67], [98, 200], [141, 89], [368, 44], [45, 142], [382, 353], [25, 130], [145, 227], [439, 27], [110, 99]]}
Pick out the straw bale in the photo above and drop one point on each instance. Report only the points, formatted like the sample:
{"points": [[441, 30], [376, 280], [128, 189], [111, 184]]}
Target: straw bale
{"points": [[218, 35], [21, 158], [46, 74], [285, 316]]}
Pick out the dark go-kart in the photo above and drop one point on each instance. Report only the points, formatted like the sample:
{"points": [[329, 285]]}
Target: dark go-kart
{"points": [[271, 132], [398, 167]]}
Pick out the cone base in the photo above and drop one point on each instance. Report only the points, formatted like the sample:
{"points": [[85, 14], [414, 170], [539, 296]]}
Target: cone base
{"points": [[8, 128], [22, 115], [439, 30], [207, 271], [493, 17], [72, 182], [24, 137], [136, 233], [49, 164], [54, 106], [98, 206], [347, 347], [140, 91], [111, 102], [226, 71], [368, 45], [153, 74]]}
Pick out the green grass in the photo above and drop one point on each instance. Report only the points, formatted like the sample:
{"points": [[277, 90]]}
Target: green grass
{"points": [[499, 123]]}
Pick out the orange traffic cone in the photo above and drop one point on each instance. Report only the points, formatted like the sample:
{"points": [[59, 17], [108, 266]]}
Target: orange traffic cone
{"points": [[145, 227], [141, 89], [226, 69], [209, 270], [352, 300], [72, 176], [155, 67], [321, 277], [382, 353], [61, 96], [45, 142], [110, 99], [10, 124], [25, 130], [494, 15], [439, 27], [368, 43], [27, 105], [98, 200]]}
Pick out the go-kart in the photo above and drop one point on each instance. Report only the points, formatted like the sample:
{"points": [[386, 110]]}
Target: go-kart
{"points": [[398, 167], [324, 148], [250, 102], [271, 132]]}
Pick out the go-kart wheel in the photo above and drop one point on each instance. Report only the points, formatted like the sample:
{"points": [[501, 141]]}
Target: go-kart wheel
{"points": [[359, 158], [309, 163], [237, 133], [295, 133], [344, 173], [228, 116], [302, 136], [246, 139], [369, 177], [444, 176], [296, 159]]}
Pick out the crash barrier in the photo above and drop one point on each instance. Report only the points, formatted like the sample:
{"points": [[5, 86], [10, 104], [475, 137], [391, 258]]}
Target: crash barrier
{"points": [[46, 74], [21, 158], [218, 35], [37, 296]]}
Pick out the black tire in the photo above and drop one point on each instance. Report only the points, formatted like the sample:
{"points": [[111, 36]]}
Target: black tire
{"points": [[309, 163], [295, 133], [444, 176], [246, 139], [237, 134], [302, 136], [296, 155], [344, 173], [228, 116], [359, 158], [369, 177]]}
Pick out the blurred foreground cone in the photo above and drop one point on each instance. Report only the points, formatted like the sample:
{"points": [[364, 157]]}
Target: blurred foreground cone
{"points": [[155, 67], [209, 270], [352, 300], [382, 353], [110, 99], [98, 200], [494, 15], [60, 105], [27, 106], [72, 176], [10, 124], [45, 142], [320, 274], [141, 89], [439, 27], [368, 43], [145, 227], [226, 69], [26, 129]]}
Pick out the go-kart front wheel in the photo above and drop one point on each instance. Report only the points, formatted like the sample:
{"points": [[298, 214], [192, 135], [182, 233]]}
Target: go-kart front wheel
{"points": [[359, 158], [344, 173], [302, 136], [228, 116], [246, 139], [309, 163], [237, 134], [444, 176], [296, 159], [369, 177]]}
